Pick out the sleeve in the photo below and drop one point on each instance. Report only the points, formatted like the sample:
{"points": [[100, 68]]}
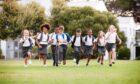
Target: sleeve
{"points": [[84, 39], [39, 35], [21, 40], [72, 38], [107, 35]]}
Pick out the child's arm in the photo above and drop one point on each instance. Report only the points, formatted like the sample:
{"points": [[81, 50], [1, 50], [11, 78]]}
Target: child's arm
{"points": [[120, 41]]}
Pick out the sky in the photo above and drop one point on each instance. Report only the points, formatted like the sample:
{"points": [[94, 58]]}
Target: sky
{"points": [[47, 4]]}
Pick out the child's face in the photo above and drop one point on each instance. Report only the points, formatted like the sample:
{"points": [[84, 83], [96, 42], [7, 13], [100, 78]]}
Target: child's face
{"points": [[61, 30], [45, 30], [78, 33], [56, 30], [101, 34], [89, 33], [26, 33]]}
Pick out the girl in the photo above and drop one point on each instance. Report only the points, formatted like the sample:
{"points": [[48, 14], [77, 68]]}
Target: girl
{"points": [[27, 43], [42, 42], [89, 44], [111, 36], [100, 40]]}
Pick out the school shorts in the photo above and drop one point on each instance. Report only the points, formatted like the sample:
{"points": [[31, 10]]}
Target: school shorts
{"points": [[88, 50], [110, 46], [101, 50]]}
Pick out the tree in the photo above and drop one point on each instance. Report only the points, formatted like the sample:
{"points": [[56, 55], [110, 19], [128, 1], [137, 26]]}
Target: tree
{"points": [[85, 18], [16, 17]]}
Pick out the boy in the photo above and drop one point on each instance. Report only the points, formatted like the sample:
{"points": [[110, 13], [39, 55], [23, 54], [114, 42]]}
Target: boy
{"points": [[62, 44], [76, 45], [53, 42]]}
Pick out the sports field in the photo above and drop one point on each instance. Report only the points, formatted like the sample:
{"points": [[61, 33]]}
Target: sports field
{"points": [[123, 72]]}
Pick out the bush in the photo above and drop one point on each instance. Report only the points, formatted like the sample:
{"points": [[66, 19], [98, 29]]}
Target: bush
{"points": [[124, 53]]}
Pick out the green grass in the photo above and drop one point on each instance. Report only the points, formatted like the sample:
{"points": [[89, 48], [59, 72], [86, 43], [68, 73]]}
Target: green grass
{"points": [[123, 72]]}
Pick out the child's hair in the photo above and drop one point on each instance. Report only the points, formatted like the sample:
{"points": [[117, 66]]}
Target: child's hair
{"points": [[22, 33], [61, 27], [46, 26], [111, 27], [99, 36]]}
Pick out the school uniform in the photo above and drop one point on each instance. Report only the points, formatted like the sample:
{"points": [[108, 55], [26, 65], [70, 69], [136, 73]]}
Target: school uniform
{"points": [[53, 47], [62, 46], [26, 45], [77, 43], [111, 40], [43, 41], [89, 45], [101, 42]]}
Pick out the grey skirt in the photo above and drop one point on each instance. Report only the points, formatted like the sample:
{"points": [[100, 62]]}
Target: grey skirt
{"points": [[101, 50], [43, 50], [25, 51], [88, 50]]}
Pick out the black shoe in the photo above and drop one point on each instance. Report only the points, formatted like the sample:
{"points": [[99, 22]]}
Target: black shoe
{"points": [[56, 65], [110, 65], [102, 64], [113, 62], [86, 64], [53, 64]]}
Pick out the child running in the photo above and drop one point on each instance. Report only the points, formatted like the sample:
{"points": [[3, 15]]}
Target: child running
{"points": [[27, 43], [42, 42], [111, 36], [101, 42], [76, 45], [89, 44]]}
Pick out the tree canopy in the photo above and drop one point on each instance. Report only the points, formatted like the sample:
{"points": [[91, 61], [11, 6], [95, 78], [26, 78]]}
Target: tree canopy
{"points": [[16, 17]]}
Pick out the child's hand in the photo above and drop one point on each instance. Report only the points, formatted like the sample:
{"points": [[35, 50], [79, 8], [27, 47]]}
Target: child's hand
{"points": [[40, 46]]}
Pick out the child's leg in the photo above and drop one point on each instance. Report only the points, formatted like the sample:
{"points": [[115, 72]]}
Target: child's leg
{"points": [[26, 60], [29, 57], [44, 59], [88, 59], [102, 58], [110, 58]]}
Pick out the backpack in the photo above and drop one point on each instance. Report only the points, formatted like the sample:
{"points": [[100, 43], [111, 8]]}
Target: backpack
{"points": [[87, 38], [68, 37], [40, 39], [63, 36], [75, 40]]}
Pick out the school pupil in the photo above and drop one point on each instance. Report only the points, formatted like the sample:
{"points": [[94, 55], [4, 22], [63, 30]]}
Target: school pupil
{"points": [[53, 42], [61, 45], [89, 44], [76, 41], [42, 42], [111, 37], [101, 42], [27, 43]]}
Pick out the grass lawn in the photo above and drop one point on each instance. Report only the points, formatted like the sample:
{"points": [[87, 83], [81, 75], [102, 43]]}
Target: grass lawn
{"points": [[123, 72]]}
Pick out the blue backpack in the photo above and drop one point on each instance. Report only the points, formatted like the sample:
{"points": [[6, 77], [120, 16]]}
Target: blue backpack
{"points": [[87, 38], [63, 35]]}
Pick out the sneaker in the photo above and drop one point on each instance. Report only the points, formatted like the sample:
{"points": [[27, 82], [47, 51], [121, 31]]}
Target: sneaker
{"points": [[29, 62], [113, 62], [86, 64], [74, 60], [101, 63], [110, 65]]}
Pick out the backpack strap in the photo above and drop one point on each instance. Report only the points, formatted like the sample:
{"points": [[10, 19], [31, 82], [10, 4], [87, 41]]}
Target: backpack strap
{"points": [[41, 36]]}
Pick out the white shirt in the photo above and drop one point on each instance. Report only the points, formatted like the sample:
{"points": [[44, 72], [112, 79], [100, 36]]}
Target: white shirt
{"points": [[26, 42], [53, 36], [61, 39], [77, 40], [89, 41], [45, 38], [101, 41], [111, 37]]}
